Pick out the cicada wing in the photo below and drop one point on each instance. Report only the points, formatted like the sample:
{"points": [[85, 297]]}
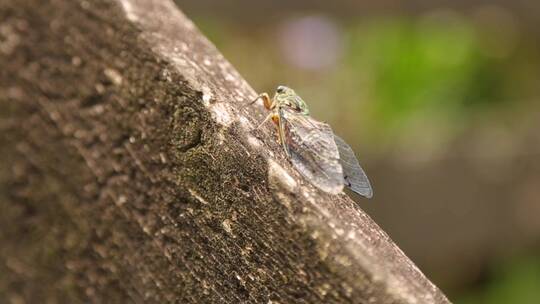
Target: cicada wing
{"points": [[313, 151], [354, 176]]}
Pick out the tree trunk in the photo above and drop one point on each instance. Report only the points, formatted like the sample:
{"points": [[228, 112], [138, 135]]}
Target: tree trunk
{"points": [[130, 172]]}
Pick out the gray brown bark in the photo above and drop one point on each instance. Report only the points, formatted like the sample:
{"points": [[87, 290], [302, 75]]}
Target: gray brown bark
{"points": [[130, 172]]}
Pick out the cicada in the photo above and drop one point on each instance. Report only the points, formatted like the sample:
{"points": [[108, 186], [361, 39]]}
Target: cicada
{"points": [[312, 147]]}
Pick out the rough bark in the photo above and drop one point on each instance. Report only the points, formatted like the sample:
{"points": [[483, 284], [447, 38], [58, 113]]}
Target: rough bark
{"points": [[130, 171]]}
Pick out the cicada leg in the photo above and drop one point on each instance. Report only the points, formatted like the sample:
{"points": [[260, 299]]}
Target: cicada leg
{"points": [[275, 118], [271, 115], [267, 102], [275, 115]]}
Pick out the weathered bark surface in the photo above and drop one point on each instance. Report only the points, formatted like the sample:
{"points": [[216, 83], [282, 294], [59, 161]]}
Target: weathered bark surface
{"points": [[130, 172]]}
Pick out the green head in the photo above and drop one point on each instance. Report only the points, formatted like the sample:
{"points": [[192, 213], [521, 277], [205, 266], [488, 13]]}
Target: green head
{"points": [[287, 97]]}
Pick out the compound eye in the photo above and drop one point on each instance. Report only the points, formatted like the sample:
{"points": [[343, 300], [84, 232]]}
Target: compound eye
{"points": [[280, 89]]}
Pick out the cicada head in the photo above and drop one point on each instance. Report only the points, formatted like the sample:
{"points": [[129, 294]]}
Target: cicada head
{"points": [[286, 97]]}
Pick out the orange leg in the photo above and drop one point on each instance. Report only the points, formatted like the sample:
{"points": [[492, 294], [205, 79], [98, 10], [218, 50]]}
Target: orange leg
{"points": [[267, 102], [275, 119], [269, 105]]}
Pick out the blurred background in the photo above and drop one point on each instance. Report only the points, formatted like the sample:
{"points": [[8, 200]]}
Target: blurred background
{"points": [[441, 101]]}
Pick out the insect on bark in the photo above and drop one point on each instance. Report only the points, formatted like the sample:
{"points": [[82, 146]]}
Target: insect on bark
{"points": [[312, 147]]}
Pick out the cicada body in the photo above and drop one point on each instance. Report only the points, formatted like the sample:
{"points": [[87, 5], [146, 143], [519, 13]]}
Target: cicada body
{"points": [[312, 147]]}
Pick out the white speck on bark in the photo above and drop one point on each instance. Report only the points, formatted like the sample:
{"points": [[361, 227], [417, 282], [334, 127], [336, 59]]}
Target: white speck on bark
{"points": [[128, 8], [227, 225], [122, 199], [163, 158], [253, 142], [207, 96], [113, 76], [198, 197], [221, 114], [229, 77], [246, 124]]}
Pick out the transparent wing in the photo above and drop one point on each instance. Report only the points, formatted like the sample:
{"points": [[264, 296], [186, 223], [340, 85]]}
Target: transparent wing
{"points": [[355, 178], [312, 150]]}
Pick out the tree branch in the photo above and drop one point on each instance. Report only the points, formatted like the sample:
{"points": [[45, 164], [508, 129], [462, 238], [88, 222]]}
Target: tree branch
{"points": [[131, 170]]}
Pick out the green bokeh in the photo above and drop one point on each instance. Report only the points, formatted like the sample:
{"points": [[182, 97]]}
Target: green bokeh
{"points": [[432, 67], [516, 282]]}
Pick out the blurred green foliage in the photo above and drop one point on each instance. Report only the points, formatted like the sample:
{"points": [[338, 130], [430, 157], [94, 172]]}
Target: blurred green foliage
{"points": [[514, 282], [418, 66], [437, 71]]}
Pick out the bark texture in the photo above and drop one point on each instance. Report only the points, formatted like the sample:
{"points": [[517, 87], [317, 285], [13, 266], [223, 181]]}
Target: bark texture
{"points": [[130, 173]]}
